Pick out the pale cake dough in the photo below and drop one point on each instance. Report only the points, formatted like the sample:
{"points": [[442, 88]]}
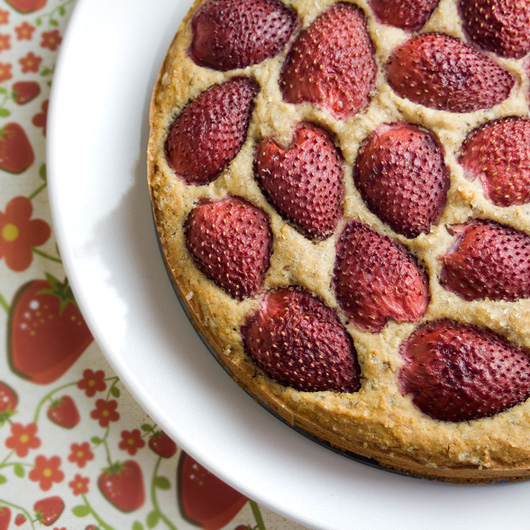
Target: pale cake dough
{"points": [[377, 421]]}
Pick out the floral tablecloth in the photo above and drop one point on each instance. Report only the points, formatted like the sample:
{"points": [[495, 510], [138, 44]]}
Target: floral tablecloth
{"points": [[76, 451]]}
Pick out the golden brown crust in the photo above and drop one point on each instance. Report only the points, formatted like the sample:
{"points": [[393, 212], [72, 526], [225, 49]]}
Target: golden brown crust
{"points": [[377, 422]]}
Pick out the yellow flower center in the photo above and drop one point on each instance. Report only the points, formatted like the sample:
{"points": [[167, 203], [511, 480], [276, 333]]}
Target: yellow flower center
{"points": [[105, 413], [24, 438], [47, 472], [91, 382], [10, 232], [130, 441], [80, 454]]}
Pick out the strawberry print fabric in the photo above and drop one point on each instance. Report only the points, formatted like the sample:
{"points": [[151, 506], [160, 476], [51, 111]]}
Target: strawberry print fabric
{"points": [[76, 451]]}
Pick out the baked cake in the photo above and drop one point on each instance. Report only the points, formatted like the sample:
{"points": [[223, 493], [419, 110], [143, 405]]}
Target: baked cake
{"points": [[341, 191]]}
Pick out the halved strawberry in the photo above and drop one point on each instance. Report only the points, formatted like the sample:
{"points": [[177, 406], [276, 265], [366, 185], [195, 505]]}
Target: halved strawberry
{"points": [[377, 280], [499, 26], [209, 133], [459, 372], [48, 510], [332, 63], [230, 34], [231, 242], [401, 174], [300, 342], [409, 15], [443, 73], [498, 153], [487, 260], [304, 181]]}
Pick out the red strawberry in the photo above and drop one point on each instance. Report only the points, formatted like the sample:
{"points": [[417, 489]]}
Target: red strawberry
{"points": [[5, 517], [443, 73], [27, 6], [409, 15], [300, 342], [16, 153], [377, 280], [498, 153], [459, 372], [47, 333], [48, 510], [209, 133], [25, 91], [161, 444], [488, 260], [332, 63], [8, 402], [231, 34], [499, 26], [204, 500], [231, 242], [402, 177], [304, 180], [20, 519], [63, 412], [122, 484]]}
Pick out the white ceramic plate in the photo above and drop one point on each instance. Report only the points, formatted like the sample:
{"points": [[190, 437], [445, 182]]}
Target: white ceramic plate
{"points": [[97, 137]]}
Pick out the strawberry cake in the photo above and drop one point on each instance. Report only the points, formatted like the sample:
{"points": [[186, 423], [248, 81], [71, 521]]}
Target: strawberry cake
{"points": [[341, 191]]}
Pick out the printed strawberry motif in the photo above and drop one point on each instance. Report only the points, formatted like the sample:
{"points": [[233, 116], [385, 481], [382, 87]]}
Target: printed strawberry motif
{"points": [[8, 402], [409, 15], [16, 153], [231, 243], [27, 6], [20, 519], [458, 372], [498, 154], [331, 63], [48, 510], [377, 280], [303, 181], [487, 260], [122, 484], [445, 74], [230, 34], [161, 444], [401, 174], [499, 26], [46, 332], [25, 91], [63, 412], [5, 517], [204, 500], [300, 342], [209, 133]]}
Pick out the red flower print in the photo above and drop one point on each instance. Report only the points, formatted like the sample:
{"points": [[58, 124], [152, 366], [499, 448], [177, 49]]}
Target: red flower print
{"points": [[5, 72], [51, 40], [46, 471], [80, 454], [23, 438], [39, 120], [25, 31], [105, 412], [79, 485], [4, 16], [19, 234], [131, 441], [5, 42], [92, 382], [29, 63]]}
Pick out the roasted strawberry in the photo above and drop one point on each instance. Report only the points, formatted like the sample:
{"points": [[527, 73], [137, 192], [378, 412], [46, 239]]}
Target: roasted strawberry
{"points": [[64, 412], [445, 74], [459, 372], [409, 15], [209, 133], [231, 243], [401, 174], [303, 181], [498, 153], [487, 260], [48, 510], [332, 63], [300, 342], [499, 26], [377, 280], [161, 444], [230, 34]]}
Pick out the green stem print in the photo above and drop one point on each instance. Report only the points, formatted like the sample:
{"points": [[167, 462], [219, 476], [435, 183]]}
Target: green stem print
{"points": [[19, 509], [156, 515], [257, 515], [83, 510], [52, 16]]}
